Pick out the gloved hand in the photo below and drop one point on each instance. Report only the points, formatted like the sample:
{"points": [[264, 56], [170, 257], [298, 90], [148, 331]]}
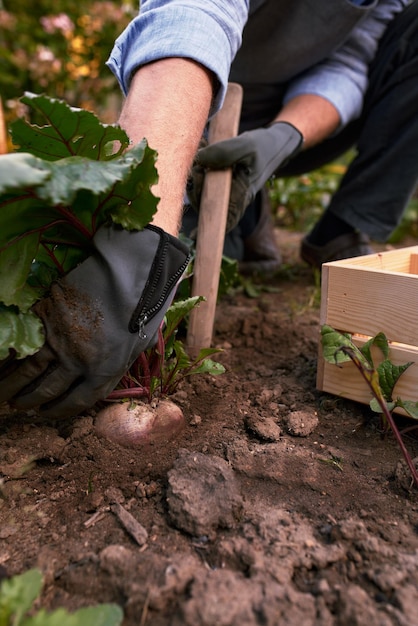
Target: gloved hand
{"points": [[254, 156], [97, 320]]}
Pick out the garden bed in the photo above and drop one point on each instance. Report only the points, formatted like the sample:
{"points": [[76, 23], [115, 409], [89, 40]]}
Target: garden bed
{"points": [[277, 504]]}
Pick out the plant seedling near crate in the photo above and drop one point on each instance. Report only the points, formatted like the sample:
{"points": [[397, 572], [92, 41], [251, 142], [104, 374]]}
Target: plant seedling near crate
{"points": [[338, 348], [371, 302]]}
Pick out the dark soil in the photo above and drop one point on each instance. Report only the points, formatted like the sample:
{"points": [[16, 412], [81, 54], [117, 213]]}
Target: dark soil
{"points": [[276, 505]]}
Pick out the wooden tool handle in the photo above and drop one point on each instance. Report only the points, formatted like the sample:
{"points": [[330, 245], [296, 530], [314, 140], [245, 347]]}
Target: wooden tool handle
{"points": [[211, 227]]}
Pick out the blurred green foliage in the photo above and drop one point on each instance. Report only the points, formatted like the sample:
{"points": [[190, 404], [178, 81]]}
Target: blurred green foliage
{"points": [[299, 201], [409, 224], [59, 48]]}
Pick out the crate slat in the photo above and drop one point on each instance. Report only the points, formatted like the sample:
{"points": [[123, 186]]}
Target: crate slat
{"points": [[364, 296]]}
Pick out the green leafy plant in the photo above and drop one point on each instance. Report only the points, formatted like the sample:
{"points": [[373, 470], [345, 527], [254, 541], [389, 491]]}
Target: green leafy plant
{"points": [[339, 348], [18, 594], [299, 201], [159, 370], [67, 178]]}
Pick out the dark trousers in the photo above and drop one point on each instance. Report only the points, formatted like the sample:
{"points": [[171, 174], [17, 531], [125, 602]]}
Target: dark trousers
{"points": [[381, 178]]}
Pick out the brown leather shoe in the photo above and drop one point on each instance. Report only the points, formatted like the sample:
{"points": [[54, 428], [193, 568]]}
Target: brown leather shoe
{"points": [[342, 247], [261, 252]]}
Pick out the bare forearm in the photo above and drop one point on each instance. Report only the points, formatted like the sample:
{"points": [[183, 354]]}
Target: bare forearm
{"points": [[168, 104], [315, 117]]}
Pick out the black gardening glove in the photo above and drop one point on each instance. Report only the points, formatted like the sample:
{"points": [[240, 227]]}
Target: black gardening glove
{"points": [[97, 320], [254, 156]]}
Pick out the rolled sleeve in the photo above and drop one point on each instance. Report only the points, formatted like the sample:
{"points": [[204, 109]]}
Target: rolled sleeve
{"points": [[342, 79], [344, 90], [208, 32]]}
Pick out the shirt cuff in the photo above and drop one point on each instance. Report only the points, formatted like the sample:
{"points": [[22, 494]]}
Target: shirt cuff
{"points": [[345, 94]]}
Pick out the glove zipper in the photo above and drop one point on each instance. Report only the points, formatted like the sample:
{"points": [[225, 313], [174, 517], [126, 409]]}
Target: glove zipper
{"points": [[149, 310]]}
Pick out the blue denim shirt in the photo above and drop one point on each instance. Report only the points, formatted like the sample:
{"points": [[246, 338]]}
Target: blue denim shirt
{"points": [[210, 32]]}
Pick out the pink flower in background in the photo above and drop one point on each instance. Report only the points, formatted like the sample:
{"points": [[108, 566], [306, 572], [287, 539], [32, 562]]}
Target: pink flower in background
{"points": [[44, 65], [53, 23]]}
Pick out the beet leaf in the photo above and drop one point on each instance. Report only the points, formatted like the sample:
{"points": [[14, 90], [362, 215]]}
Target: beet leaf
{"points": [[68, 176]]}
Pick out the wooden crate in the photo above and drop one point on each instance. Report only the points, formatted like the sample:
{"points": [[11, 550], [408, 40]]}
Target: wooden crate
{"points": [[364, 296]]}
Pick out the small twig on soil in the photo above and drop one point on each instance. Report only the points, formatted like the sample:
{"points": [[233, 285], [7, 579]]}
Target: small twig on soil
{"points": [[130, 524], [144, 613], [96, 517]]}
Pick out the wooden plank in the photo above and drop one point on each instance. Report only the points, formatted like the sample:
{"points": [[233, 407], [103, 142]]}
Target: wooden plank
{"points": [[320, 372], [324, 294], [364, 296], [389, 261], [367, 302], [413, 263], [211, 227]]}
